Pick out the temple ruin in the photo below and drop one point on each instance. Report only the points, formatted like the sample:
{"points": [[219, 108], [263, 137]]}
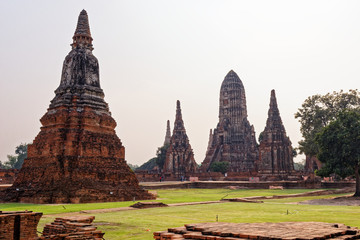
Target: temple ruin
{"points": [[233, 140], [179, 156], [276, 153], [77, 156]]}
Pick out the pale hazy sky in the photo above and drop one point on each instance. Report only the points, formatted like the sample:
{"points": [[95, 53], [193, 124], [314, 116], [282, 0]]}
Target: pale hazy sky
{"points": [[152, 53]]}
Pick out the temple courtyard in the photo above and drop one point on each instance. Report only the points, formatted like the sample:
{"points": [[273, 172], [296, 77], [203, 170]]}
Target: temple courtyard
{"points": [[191, 206]]}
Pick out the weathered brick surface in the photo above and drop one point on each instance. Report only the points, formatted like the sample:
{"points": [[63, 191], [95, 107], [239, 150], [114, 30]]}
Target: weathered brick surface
{"points": [[275, 147], [7, 176], [19, 225], [312, 164], [265, 231], [77, 156]]}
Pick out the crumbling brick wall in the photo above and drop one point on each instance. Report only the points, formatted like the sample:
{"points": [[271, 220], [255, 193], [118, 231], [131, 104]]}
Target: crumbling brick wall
{"points": [[19, 225]]}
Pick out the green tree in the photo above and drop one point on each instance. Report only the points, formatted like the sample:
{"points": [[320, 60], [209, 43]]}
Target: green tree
{"points": [[18, 160], [339, 147], [149, 165], [219, 167], [159, 160], [261, 136], [133, 166], [11, 162], [318, 111], [161, 155], [299, 165], [21, 152]]}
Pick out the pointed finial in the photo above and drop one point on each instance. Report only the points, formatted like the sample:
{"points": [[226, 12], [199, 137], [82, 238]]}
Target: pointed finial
{"points": [[232, 76], [273, 93], [82, 36], [273, 102], [231, 72], [178, 116]]}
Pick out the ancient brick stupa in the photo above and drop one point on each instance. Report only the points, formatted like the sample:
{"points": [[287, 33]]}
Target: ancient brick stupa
{"points": [[233, 140], [180, 160], [275, 147], [77, 156]]}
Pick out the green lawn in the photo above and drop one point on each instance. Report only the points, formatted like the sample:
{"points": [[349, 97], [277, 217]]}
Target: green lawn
{"points": [[166, 196], [134, 224], [140, 224]]}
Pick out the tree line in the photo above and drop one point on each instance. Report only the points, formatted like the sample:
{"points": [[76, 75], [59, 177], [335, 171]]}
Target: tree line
{"points": [[330, 126]]}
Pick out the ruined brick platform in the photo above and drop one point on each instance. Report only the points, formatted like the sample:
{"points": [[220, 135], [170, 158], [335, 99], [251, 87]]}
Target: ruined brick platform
{"points": [[263, 231], [77, 227], [142, 205]]}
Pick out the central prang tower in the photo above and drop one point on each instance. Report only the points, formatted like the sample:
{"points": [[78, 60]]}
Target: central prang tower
{"points": [[77, 156], [233, 140]]}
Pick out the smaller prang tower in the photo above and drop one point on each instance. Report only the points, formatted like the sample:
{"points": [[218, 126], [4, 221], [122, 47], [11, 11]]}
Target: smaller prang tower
{"points": [[276, 156], [180, 160], [168, 134], [77, 156], [233, 140]]}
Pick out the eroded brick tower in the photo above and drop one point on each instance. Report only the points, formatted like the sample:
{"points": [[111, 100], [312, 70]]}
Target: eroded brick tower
{"points": [[77, 156], [168, 134], [179, 156], [233, 140], [275, 147]]}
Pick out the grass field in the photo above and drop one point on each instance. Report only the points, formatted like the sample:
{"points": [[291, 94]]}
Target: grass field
{"points": [[140, 224]]}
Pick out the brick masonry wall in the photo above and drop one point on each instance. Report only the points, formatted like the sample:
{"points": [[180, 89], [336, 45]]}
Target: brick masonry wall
{"points": [[19, 225], [7, 176]]}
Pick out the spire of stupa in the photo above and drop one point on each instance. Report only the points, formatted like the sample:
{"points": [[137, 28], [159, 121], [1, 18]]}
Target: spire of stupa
{"points": [[273, 103], [179, 123], [82, 36], [80, 79], [274, 119]]}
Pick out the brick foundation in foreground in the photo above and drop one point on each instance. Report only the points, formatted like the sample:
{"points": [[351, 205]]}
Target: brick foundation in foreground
{"points": [[261, 231]]}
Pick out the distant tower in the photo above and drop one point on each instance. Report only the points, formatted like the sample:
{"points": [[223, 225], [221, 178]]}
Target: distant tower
{"points": [[275, 147], [168, 134], [179, 156], [233, 140], [77, 156]]}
